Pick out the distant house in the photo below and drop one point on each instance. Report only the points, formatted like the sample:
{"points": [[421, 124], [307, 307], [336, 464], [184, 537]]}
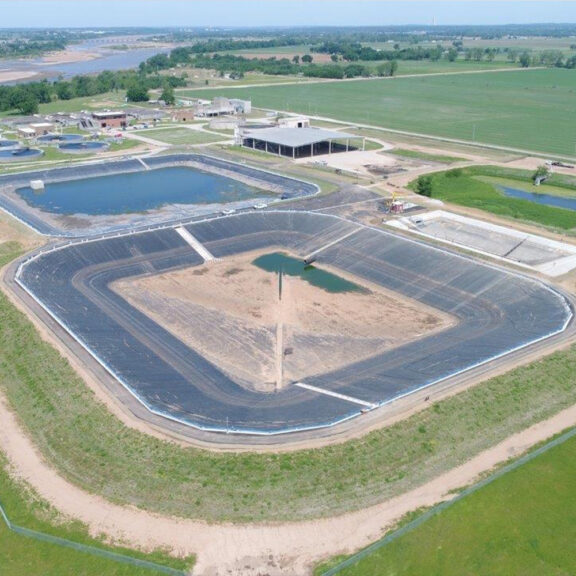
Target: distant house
{"points": [[111, 119]]}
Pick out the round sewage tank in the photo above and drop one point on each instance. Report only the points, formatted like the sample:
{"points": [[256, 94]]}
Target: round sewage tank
{"points": [[9, 144], [83, 147], [19, 154], [60, 138]]}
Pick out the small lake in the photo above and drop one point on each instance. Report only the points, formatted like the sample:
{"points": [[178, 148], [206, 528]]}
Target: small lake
{"points": [[547, 199], [137, 192], [279, 262]]}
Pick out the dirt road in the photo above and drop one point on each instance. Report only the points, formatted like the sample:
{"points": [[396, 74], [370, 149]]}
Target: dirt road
{"points": [[249, 550]]}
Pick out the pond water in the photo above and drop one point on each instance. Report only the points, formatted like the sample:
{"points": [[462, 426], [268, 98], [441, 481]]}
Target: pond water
{"points": [[137, 192], [80, 147], [54, 138], [280, 262], [547, 199], [19, 154]]}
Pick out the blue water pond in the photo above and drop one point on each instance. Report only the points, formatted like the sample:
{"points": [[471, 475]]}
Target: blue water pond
{"points": [[137, 192], [547, 199]]}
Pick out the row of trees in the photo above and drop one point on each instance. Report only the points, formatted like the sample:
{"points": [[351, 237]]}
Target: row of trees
{"points": [[237, 66], [355, 51], [26, 98]]}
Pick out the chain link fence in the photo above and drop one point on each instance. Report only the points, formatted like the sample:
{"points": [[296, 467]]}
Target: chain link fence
{"points": [[444, 505], [85, 548]]}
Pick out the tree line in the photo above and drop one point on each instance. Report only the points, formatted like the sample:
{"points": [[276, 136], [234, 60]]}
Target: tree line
{"points": [[26, 98]]}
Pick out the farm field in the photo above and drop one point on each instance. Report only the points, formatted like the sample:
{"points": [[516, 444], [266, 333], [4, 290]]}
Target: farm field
{"points": [[531, 44], [530, 110], [520, 524], [93, 448], [406, 67], [476, 187]]}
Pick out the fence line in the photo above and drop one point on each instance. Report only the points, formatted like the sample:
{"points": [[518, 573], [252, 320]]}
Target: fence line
{"points": [[447, 504], [87, 549]]}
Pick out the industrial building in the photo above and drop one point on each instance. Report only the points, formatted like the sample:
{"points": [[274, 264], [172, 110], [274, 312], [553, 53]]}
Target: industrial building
{"points": [[299, 142], [110, 119], [219, 106], [35, 129]]}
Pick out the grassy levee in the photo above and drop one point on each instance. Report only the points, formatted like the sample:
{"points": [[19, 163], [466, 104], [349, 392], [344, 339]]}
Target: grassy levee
{"points": [[520, 524], [23, 555], [529, 110], [477, 187], [94, 450]]}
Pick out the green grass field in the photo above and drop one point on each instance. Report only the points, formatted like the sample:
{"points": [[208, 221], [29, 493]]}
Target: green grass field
{"points": [[181, 136], [477, 187], [91, 448], [424, 156], [531, 110], [522, 524], [408, 67]]}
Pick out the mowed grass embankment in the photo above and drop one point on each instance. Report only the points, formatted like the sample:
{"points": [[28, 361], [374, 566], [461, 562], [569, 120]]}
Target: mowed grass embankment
{"points": [[523, 109], [477, 187], [440, 158], [181, 136], [23, 555], [521, 524], [94, 450]]}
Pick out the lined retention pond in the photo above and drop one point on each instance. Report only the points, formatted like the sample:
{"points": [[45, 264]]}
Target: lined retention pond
{"points": [[137, 192], [546, 199], [280, 262]]}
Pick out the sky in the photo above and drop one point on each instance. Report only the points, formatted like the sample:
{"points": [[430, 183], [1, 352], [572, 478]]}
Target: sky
{"points": [[190, 13]]}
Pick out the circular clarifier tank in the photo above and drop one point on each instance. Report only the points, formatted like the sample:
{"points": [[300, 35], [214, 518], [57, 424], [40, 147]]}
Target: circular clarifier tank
{"points": [[9, 144], [19, 154], [60, 138], [83, 147]]}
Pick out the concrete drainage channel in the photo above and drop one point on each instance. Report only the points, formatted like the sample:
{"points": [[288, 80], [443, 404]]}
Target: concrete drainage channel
{"points": [[529, 251]]}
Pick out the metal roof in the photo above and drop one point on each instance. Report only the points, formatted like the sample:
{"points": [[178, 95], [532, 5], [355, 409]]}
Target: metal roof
{"points": [[296, 137], [109, 114]]}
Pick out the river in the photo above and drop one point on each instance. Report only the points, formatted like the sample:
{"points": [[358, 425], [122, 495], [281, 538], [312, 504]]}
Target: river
{"points": [[107, 59]]}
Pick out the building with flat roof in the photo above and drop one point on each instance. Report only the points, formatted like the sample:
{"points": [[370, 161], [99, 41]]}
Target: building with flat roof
{"points": [[110, 119], [300, 142], [294, 122], [183, 115], [36, 129]]}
